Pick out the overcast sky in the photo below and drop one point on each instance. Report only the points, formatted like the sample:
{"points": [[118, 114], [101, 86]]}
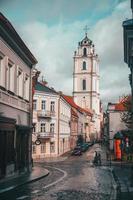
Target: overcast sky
{"points": [[52, 29]]}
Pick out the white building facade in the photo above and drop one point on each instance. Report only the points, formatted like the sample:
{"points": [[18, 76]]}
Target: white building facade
{"points": [[51, 120], [115, 123], [86, 80], [16, 66]]}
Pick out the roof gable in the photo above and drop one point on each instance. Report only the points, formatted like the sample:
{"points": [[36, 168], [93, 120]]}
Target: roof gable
{"points": [[12, 38], [70, 100], [43, 88]]}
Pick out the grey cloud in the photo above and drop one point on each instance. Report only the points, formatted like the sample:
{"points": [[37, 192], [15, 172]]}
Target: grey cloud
{"points": [[59, 10], [54, 47]]}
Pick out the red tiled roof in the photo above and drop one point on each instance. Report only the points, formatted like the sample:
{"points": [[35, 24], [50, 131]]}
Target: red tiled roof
{"points": [[69, 99], [121, 105], [87, 111], [74, 113]]}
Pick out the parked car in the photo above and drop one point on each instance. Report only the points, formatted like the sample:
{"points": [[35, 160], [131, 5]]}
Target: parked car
{"points": [[84, 146], [90, 143], [77, 151]]}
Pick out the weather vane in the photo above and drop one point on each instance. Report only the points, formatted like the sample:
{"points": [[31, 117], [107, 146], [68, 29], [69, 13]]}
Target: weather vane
{"points": [[86, 28]]}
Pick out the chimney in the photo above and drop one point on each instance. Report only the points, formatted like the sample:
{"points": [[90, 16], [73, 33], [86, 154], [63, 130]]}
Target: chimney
{"points": [[43, 81], [60, 92]]}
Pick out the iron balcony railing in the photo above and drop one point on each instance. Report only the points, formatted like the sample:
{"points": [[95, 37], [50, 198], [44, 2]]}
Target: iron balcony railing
{"points": [[45, 113], [45, 135]]}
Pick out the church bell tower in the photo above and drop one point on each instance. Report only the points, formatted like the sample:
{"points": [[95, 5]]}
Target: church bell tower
{"points": [[86, 79]]}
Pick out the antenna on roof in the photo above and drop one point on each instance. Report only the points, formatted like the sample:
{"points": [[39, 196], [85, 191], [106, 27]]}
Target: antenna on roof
{"points": [[42, 78], [86, 28]]}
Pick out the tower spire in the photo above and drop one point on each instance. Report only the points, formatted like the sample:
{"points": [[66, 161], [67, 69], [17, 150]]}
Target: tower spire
{"points": [[86, 28]]}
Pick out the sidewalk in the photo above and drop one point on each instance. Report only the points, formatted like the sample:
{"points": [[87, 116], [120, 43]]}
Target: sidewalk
{"points": [[50, 160], [122, 175], [60, 158], [124, 182], [12, 183]]}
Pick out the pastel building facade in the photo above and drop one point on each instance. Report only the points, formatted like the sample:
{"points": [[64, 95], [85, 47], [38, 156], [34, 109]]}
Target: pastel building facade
{"points": [[51, 122], [16, 66], [115, 123], [81, 122]]}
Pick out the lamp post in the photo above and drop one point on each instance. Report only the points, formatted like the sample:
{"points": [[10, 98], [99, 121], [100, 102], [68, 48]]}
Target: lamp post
{"points": [[110, 157]]}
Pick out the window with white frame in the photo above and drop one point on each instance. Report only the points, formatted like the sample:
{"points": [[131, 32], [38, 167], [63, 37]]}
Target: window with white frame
{"points": [[43, 148], [10, 76], [20, 82], [52, 147], [34, 127], [2, 71], [34, 104], [84, 51], [43, 105], [33, 148], [84, 65], [26, 87], [43, 127], [84, 84], [52, 127], [52, 106]]}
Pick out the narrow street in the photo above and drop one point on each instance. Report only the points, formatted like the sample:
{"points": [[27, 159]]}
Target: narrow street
{"points": [[75, 178]]}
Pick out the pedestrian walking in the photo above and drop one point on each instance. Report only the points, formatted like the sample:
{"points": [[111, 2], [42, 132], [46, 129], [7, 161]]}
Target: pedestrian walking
{"points": [[107, 155], [95, 161], [99, 158]]}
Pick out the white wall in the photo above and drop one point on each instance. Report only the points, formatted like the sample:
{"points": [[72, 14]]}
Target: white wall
{"points": [[11, 105], [115, 125]]}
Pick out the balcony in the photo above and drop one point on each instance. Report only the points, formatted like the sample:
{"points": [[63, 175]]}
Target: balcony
{"points": [[45, 135], [45, 114]]}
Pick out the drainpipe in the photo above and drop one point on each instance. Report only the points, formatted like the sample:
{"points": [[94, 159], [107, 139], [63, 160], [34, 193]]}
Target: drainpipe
{"points": [[30, 123], [91, 81], [58, 136]]}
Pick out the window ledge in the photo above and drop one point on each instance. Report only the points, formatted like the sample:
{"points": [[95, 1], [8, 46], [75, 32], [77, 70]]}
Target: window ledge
{"points": [[2, 88]]}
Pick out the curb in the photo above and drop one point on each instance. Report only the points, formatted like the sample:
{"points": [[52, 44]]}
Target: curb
{"points": [[113, 194], [24, 183], [50, 161]]}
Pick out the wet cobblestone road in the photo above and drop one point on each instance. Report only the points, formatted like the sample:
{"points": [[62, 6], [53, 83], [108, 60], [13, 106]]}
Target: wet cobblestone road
{"points": [[72, 179]]}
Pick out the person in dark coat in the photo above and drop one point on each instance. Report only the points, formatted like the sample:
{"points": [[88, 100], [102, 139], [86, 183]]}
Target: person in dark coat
{"points": [[95, 161], [99, 158]]}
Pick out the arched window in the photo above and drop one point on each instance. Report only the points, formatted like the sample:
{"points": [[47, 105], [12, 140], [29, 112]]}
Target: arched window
{"points": [[85, 52], [84, 65], [84, 84]]}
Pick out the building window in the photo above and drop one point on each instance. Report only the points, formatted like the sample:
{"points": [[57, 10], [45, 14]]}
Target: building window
{"points": [[26, 87], [84, 65], [20, 83], [84, 84], [43, 148], [34, 127], [43, 126], [10, 76], [52, 106], [84, 52], [52, 126], [34, 104], [2, 71], [52, 147], [43, 105], [34, 149]]}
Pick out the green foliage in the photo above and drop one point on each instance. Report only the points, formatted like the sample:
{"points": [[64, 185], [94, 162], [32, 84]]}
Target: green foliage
{"points": [[127, 115]]}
